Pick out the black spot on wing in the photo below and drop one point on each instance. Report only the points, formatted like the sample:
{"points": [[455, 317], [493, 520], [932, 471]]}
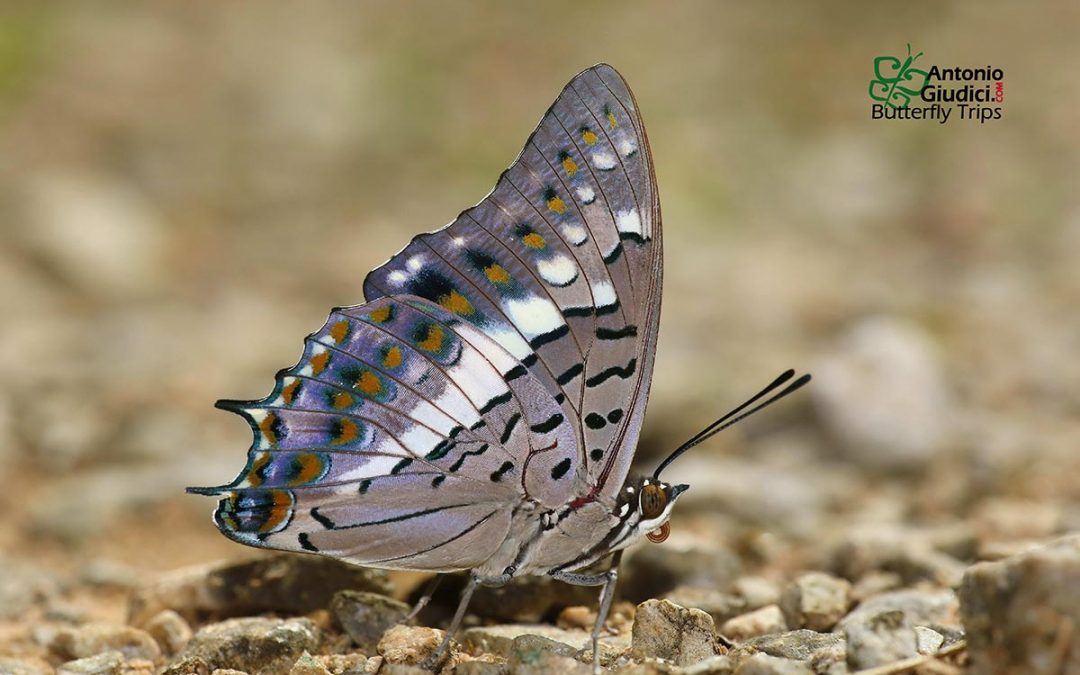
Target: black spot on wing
{"points": [[495, 402], [548, 424], [305, 542], [569, 374], [595, 421], [497, 475], [560, 469], [616, 333], [614, 371], [509, 430], [551, 336], [321, 519]]}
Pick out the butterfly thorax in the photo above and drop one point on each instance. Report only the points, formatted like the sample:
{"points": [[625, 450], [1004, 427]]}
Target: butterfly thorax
{"points": [[544, 541]]}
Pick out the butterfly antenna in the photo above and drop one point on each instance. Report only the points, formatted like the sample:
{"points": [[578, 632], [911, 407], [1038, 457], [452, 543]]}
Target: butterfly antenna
{"points": [[737, 414]]}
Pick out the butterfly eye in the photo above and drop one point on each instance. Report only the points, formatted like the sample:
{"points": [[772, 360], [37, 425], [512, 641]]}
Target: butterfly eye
{"points": [[653, 501]]}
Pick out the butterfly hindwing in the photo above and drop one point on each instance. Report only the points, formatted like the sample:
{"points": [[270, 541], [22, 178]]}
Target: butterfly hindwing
{"points": [[502, 359]]}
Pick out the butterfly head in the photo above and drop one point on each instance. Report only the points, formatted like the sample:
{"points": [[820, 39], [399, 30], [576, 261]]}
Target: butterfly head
{"points": [[648, 503]]}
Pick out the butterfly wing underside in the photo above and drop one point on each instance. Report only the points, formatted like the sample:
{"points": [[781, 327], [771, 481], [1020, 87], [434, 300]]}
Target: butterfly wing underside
{"points": [[504, 357]]}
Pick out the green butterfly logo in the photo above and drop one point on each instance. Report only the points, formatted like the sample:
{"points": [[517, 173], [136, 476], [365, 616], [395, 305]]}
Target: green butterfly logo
{"points": [[896, 81]]}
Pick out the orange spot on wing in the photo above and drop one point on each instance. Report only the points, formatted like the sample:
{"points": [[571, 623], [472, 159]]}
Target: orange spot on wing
{"points": [[589, 137], [289, 391], [496, 274], [381, 315], [570, 166], [319, 362], [434, 340], [369, 383], [253, 477], [339, 331], [341, 400], [279, 512], [347, 431], [309, 467], [392, 359], [267, 427], [557, 205], [611, 120], [534, 240], [457, 303]]}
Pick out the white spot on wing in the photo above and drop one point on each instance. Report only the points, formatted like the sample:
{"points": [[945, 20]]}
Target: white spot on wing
{"points": [[575, 234], [627, 147], [414, 263], [603, 294], [510, 341], [476, 377], [534, 316], [559, 270], [397, 276], [419, 440], [628, 221], [586, 194], [603, 160]]}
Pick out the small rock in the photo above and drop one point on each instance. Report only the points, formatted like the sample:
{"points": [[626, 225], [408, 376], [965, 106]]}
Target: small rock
{"points": [[95, 638], [22, 586], [928, 640], [879, 639], [882, 629], [769, 619], [763, 664], [665, 630], [366, 616], [800, 645], [477, 667], [579, 617], [106, 663], [899, 550], [277, 583], [715, 665], [108, 574], [815, 600], [720, 606], [1021, 613], [309, 665], [499, 640], [654, 570], [252, 644], [169, 630], [756, 591], [13, 666], [923, 608], [345, 664], [875, 583], [535, 655], [409, 645]]}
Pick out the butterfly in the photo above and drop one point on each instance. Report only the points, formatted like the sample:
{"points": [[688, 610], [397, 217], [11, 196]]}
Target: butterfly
{"points": [[480, 411]]}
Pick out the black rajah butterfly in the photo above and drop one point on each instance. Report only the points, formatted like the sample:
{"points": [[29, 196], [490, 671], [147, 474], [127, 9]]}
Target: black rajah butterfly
{"points": [[480, 411]]}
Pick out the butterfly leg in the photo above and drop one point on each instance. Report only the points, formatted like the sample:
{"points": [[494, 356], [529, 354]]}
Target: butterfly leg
{"points": [[607, 580], [433, 661], [425, 597]]}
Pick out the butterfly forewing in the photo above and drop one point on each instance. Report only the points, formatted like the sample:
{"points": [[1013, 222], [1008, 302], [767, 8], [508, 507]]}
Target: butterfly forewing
{"points": [[503, 358], [560, 265]]}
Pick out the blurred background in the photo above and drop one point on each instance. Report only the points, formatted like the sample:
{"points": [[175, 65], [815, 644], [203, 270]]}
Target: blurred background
{"points": [[186, 188]]}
